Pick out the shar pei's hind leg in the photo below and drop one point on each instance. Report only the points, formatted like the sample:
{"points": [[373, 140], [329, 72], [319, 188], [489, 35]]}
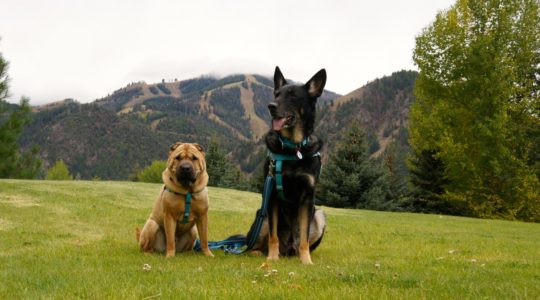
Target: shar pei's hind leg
{"points": [[152, 238]]}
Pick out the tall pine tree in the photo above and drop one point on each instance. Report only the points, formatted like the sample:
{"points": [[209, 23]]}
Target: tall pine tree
{"points": [[426, 173], [350, 178], [13, 162], [394, 162], [221, 171]]}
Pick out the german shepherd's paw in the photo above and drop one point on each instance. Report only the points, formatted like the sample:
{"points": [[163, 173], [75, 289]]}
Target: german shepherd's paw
{"points": [[305, 258]]}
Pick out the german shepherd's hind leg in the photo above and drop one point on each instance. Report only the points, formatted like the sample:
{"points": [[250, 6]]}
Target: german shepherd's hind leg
{"points": [[273, 241], [260, 246], [147, 235], [316, 229]]}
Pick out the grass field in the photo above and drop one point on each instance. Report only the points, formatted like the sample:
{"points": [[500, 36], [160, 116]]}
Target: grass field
{"points": [[76, 240]]}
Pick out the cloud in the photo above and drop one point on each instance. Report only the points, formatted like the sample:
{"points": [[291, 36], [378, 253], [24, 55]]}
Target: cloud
{"points": [[85, 50]]}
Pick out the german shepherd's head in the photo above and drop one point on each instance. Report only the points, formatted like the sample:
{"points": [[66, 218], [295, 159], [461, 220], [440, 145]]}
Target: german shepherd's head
{"points": [[293, 108]]}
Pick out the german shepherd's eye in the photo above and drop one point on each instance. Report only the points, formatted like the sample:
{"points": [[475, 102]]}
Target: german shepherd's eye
{"points": [[291, 93]]}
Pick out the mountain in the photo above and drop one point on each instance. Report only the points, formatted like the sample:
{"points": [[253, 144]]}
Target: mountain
{"points": [[92, 141], [381, 107], [123, 132], [237, 103]]}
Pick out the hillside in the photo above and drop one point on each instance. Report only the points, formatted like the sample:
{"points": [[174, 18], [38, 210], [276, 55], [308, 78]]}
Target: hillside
{"points": [[115, 136], [94, 142], [84, 247], [237, 103], [381, 107]]}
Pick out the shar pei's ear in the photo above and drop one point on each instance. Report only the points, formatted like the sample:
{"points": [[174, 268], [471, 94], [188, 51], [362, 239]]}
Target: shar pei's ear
{"points": [[199, 147], [174, 146]]}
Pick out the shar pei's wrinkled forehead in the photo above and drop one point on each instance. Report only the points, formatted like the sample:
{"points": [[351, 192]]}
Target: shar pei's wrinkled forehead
{"points": [[187, 152]]}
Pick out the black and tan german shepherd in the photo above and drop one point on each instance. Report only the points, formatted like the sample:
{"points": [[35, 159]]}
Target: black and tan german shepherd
{"points": [[293, 226]]}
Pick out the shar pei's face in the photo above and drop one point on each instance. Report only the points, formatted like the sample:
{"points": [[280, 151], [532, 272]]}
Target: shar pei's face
{"points": [[186, 163]]}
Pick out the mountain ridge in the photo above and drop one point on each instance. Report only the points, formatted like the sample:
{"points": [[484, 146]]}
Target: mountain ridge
{"points": [[146, 118]]}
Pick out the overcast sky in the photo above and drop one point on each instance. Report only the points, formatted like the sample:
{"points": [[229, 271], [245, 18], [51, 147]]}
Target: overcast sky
{"points": [[87, 49]]}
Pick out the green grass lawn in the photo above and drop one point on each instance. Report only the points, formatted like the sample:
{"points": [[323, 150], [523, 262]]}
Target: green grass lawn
{"points": [[75, 239]]}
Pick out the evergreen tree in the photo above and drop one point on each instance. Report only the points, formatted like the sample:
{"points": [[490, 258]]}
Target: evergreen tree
{"points": [[4, 91], [394, 162], [256, 181], [13, 162], [220, 170], [478, 105], [350, 178], [428, 179], [29, 164]]}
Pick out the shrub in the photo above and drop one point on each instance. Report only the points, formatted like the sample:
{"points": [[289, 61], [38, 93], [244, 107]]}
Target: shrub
{"points": [[153, 172], [58, 172]]}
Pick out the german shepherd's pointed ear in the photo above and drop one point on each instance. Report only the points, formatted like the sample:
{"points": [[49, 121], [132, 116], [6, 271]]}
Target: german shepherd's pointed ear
{"points": [[279, 79], [174, 146], [315, 86]]}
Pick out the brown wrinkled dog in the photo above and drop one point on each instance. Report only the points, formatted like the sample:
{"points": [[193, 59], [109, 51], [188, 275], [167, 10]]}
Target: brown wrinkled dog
{"points": [[164, 230]]}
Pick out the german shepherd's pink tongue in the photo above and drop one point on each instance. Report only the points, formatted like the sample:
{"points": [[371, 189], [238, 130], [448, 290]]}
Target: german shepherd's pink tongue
{"points": [[277, 124]]}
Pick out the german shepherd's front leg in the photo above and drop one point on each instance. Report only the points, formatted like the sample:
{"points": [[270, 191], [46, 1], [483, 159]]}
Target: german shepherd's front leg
{"points": [[169, 224], [273, 241], [304, 221]]}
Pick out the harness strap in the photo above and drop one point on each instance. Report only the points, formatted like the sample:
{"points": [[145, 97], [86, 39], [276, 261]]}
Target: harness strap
{"points": [[287, 143], [185, 218], [277, 160]]}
